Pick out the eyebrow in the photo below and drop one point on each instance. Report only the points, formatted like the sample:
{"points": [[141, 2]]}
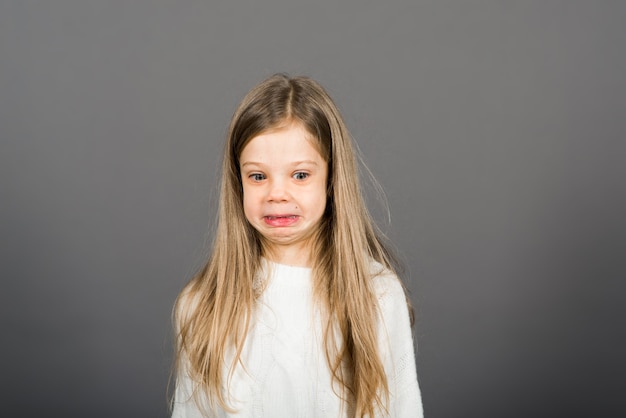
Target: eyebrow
{"points": [[295, 163]]}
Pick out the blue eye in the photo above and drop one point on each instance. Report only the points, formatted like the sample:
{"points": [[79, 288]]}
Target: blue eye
{"points": [[257, 177], [300, 175]]}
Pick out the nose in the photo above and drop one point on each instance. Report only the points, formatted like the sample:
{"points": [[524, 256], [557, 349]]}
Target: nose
{"points": [[277, 191]]}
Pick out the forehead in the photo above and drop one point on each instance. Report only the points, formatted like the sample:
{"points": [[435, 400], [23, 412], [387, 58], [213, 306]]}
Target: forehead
{"points": [[286, 142]]}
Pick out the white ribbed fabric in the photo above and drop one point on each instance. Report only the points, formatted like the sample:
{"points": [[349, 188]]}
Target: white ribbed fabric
{"points": [[286, 373]]}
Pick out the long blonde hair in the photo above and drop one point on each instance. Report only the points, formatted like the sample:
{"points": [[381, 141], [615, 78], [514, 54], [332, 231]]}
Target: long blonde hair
{"points": [[213, 312]]}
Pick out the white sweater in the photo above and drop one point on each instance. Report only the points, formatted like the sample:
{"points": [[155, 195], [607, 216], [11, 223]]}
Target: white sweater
{"points": [[286, 372]]}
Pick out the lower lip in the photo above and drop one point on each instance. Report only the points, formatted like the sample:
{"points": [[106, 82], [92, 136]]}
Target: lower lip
{"points": [[280, 220]]}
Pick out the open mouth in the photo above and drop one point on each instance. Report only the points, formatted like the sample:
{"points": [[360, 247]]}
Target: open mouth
{"points": [[280, 220]]}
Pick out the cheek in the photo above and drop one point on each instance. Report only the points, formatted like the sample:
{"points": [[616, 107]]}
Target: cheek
{"points": [[248, 204], [318, 201], [322, 207]]}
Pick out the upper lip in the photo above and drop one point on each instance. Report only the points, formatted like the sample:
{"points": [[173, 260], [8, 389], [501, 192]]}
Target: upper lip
{"points": [[279, 215]]}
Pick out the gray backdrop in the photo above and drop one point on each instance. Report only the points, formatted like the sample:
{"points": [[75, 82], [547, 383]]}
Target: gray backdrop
{"points": [[496, 129]]}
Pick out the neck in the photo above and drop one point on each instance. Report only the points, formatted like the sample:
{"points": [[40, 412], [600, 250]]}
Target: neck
{"points": [[298, 256]]}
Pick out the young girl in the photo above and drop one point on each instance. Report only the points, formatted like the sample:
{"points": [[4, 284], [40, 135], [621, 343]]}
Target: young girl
{"points": [[298, 312]]}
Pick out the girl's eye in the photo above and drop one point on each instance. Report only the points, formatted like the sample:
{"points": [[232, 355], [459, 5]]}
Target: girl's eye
{"points": [[300, 175], [257, 177]]}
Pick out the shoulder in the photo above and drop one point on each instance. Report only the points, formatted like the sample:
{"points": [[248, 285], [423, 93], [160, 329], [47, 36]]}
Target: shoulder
{"points": [[385, 283], [185, 306], [394, 308]]}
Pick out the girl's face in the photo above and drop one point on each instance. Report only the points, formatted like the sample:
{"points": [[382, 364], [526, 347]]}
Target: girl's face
{"points": [[284, 190]]}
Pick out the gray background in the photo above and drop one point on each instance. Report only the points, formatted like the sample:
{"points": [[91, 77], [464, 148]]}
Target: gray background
{"points": [[496, 129]]}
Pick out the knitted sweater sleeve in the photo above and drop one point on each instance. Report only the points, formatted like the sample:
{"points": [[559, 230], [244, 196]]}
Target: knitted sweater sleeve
{"points": [[396, 349], [183, 403]]}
